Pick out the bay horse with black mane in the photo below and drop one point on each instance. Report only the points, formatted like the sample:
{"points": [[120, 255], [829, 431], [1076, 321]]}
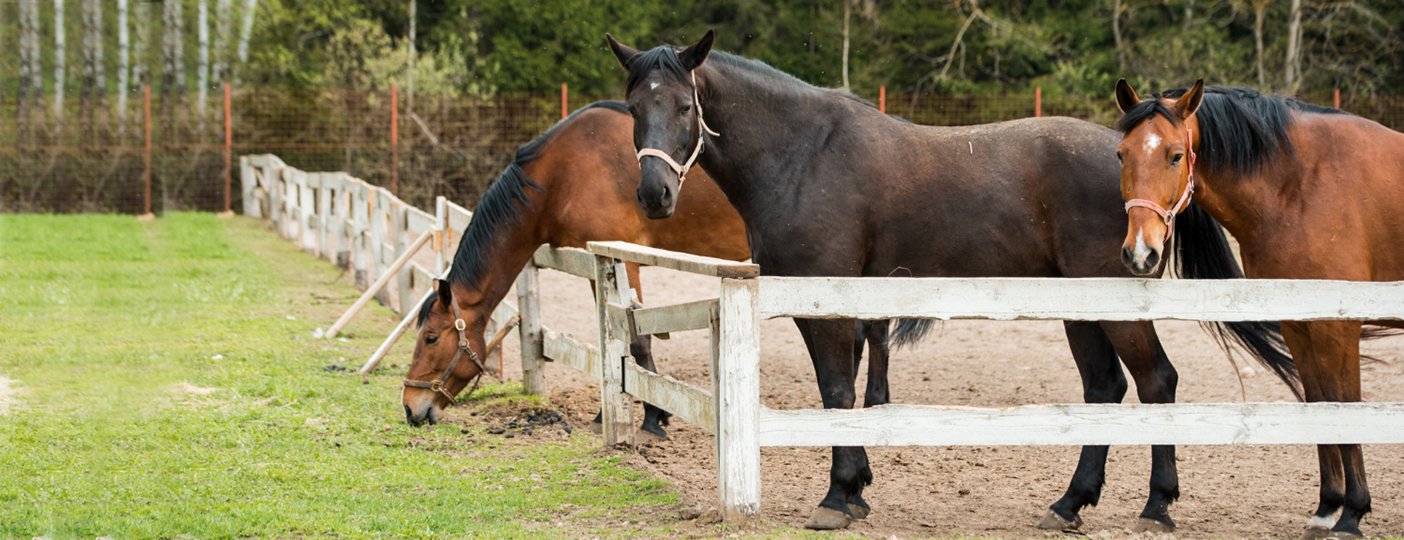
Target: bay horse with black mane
{"points": [[829, 186], [571, 185], [1309, 192]]}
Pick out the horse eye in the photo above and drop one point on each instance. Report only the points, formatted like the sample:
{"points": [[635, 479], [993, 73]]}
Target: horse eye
{"points": [[1118, 156], [682, 111], [430, 340], [1176, 160]]}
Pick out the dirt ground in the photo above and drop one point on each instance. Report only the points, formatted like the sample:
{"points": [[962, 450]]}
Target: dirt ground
{"points": [[1234, 492]]}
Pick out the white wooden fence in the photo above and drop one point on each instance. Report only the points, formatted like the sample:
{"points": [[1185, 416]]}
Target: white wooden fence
{"points": [[348, 221], [731, 409]]}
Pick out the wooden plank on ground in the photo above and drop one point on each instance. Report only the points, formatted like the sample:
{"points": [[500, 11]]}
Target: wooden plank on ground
{"points": [[674, 318], [1102, 299], [685, 262], [1089, 424], [685, 401]]}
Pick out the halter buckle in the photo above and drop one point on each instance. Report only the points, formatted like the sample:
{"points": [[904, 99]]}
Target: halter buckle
{"points": [[436, 385], [459, 325]]}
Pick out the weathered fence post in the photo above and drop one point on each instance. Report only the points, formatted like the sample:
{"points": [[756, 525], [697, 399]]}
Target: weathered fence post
{"points": [[441, 226], [248, 181], [529, 307], [616, 407], [404, 294], [736, 379]]}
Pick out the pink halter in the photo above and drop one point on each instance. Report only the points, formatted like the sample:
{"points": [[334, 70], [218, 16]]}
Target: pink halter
{"points": [[702, 128], [1184, 200]]}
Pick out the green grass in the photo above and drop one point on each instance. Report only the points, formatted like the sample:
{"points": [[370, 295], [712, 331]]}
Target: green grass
{"points": [[103, 318]]}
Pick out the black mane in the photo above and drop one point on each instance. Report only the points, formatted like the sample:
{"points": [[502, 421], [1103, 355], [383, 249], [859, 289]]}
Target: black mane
{"points": [[501, 206], [665, 57], [1239, 128]]}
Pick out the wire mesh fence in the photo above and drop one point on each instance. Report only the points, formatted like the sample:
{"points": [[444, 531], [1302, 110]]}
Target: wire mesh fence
{"points": [[94, 157]]}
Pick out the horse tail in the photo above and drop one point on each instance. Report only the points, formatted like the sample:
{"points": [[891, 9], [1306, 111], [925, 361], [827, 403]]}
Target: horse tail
{"points": [[1202, 252], [910, 331]]}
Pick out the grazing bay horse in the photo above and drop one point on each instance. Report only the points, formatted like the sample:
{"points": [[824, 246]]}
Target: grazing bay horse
{"points": [[1309, 192], [573, 184], [829, 186]]}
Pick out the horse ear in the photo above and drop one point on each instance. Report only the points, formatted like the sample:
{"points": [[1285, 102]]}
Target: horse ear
{"points": [[622, 52], [693, 56], [1189, 103], [445, 293], [1126, 97]]}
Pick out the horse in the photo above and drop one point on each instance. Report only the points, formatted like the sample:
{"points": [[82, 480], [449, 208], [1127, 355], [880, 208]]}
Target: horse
{"points": [[829, 186], [1309, 192], [569, 186]]}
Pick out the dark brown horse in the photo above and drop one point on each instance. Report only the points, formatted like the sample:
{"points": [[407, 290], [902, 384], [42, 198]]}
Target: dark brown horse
{"points": [[573, 184], [1309, 192], [829, 186]]}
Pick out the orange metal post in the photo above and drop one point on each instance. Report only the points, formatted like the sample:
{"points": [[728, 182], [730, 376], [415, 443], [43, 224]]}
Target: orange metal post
{"points": [[882, 99], [1338, 98], [565, 101], [146, 127], [1038, 101], [228, 152], [394, 140]]}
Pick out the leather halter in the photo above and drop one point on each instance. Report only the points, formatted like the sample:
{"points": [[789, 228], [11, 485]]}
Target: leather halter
{"points": [[437, 385], [1183, 202], [702, 128]]}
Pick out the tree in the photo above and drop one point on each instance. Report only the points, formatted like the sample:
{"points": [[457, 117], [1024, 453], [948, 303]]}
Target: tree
{"points": [[224, 26], [60, 70], [31, 77], [1294, 38], [202, 73], [123, 66]]}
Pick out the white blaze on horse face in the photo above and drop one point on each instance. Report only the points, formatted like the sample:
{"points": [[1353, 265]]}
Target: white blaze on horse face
{"points": [[1152, 142], [653, 85], [1142, 251]]}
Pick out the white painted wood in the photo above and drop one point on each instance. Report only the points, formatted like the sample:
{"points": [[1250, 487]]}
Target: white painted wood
{"points": [[529, 332], [1101, 299], [441, 229], [690, 403], [323, 218], [307, 209], [566, 350], [248, 184], [616, 408], [394, 336], [686, 262], [674, 318], [379, 284], [1089, 424], [404, 295], [573, 261], [738, 400]]}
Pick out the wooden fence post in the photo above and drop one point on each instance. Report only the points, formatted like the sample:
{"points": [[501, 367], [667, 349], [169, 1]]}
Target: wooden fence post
{"points": [[565, 101], [404, 293], [441, 225], [736, 376], [529, 307], [882, 99], [228, 155], [146, 172], [1038, 101], [248, 182], [616, 407]]}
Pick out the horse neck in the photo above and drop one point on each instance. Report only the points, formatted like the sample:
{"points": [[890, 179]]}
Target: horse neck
{"points": [[763, 125], [504, 257], [1242, 204]]}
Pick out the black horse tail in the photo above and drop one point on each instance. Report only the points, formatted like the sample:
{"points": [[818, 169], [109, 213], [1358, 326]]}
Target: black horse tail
{"points": [[1202, 252], [910, 331]]}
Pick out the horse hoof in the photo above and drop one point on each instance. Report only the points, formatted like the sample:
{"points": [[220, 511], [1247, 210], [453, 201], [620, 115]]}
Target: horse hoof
{"points": [[827, 519], [1316, 533], [1153, 526], [1342, 535], [858, 511], [1055, 522], [645, 435]]}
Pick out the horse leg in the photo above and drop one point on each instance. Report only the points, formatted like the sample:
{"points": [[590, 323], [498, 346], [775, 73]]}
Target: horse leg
{"points": [[875, 333], [1327, 355], [1156, 379], [830, 348], [1332, 498], [1102, 382], [654, 418]]}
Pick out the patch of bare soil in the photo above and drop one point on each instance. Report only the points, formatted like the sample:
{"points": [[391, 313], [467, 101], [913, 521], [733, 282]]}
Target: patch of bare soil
{"points": [[1227, 491]]}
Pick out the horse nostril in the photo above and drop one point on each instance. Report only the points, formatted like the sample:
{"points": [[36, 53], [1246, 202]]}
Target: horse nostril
{"points": [[1127, 257], [1152, 260]]}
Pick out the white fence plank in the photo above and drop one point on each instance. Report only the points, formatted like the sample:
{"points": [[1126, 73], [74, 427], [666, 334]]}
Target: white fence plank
{"points": [[674, 318], [529, 332], [738, 400], [573, 261], [685, 262], [1089, 424], [1098, 299], [683, 400], [565, 349]]}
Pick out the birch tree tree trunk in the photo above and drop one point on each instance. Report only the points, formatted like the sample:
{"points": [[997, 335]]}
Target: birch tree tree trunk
{"points": [[31, 78], [1259, 15], [224, 26], [60, 68], [202, 74], [409, 77], [1294, 38], [94, 73], [247, 30], [123, 66], [1117, 9], [141, 44], [847, 14]]}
